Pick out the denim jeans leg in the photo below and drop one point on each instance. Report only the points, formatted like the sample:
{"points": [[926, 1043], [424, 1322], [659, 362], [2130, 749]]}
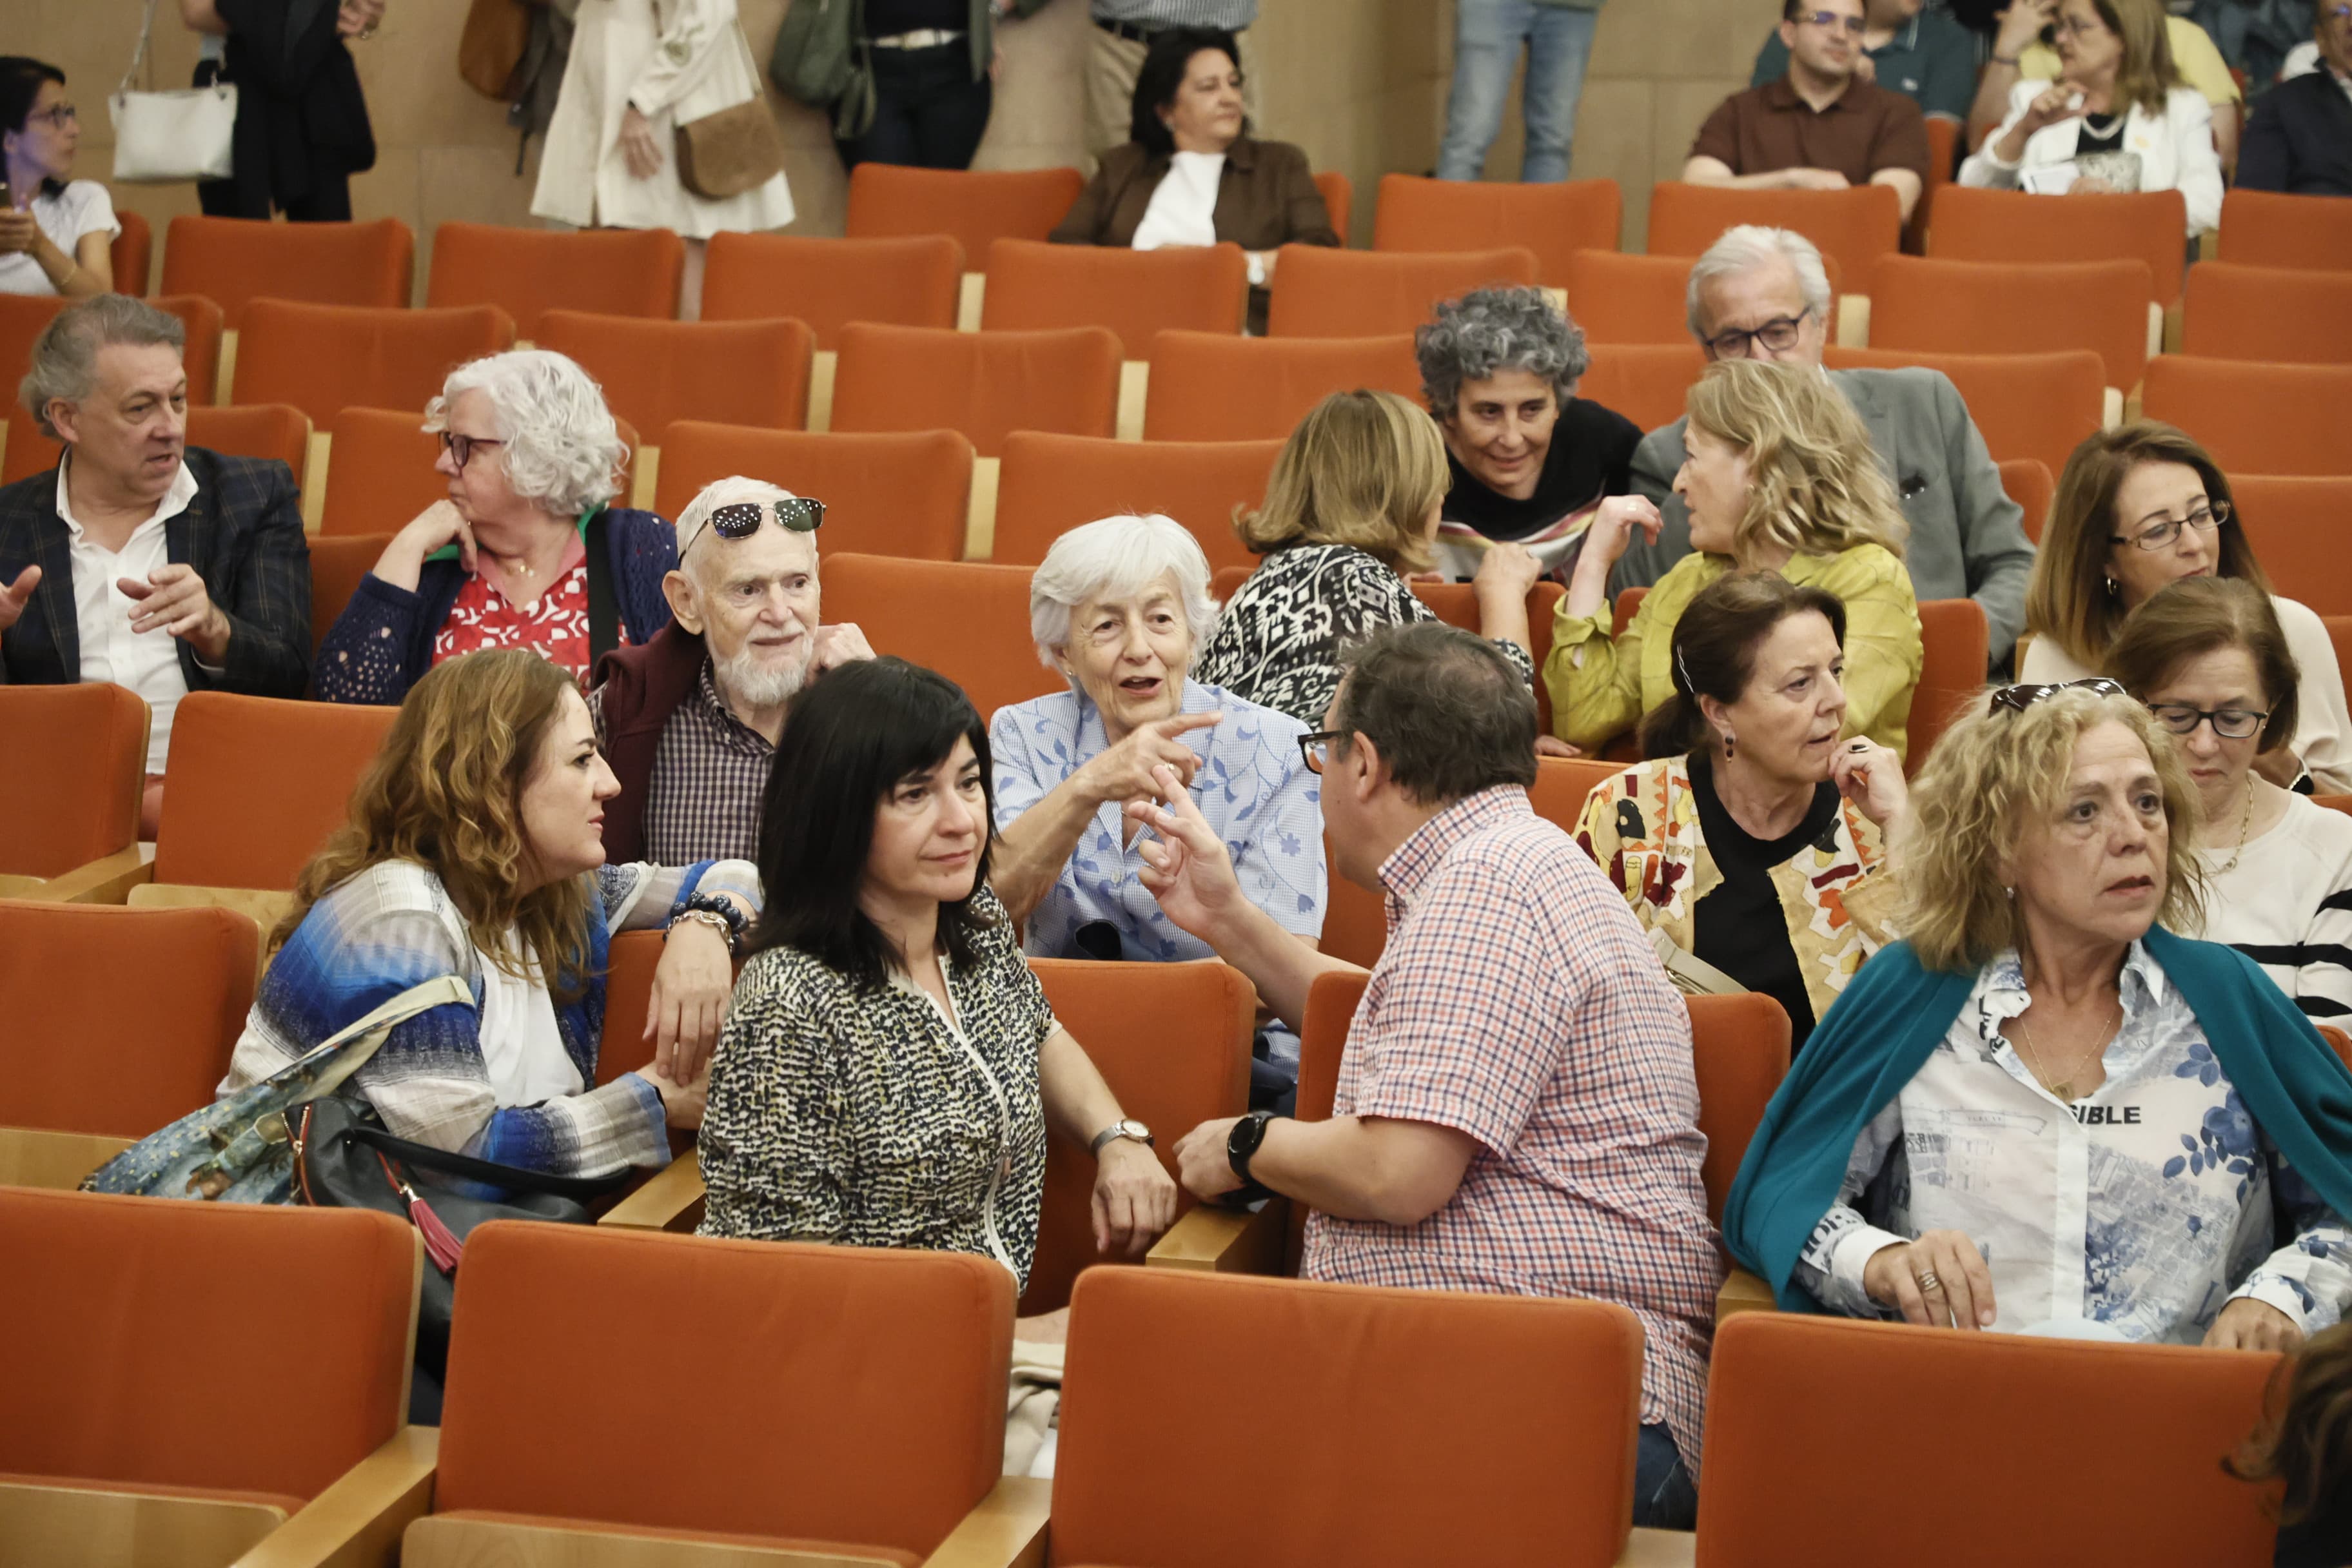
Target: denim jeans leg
{"points": [[1558, 49], [1486, 39], [1664, 1496]]}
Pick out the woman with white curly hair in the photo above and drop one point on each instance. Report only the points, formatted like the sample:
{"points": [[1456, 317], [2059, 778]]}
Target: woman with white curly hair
{"points": [[526, 552]]}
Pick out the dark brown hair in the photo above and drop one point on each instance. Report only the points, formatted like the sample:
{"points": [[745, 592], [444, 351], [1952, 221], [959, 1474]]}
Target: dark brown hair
{"points": [[2308, 1441], [1448, 713], [1715, 648], [2200, 615]]}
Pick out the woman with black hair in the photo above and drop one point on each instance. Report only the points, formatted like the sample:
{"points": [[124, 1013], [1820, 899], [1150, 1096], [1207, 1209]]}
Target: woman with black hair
{"points": [[55, 232], [889, 1064], [1193, 174]]}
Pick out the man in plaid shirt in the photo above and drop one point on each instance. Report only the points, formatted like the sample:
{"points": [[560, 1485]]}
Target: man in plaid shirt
{"points": [[1516, 1112]]}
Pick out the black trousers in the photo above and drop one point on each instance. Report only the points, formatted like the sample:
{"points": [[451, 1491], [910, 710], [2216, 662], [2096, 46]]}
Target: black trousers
{"points": [[929, 112]]}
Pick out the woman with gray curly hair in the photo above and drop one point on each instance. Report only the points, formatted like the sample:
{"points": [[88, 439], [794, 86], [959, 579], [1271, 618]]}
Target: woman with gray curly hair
{"points": [[1530, 460], [526, 552]]}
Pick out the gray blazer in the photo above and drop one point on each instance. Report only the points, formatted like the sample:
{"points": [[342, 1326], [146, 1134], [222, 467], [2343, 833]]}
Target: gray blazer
{"points": [[1968, 538]]}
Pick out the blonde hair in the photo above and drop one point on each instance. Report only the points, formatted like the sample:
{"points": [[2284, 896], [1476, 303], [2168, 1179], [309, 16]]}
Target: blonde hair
{"points": [[1817, 488], [1991, 774], [446, 791], [2148, 70], [1363, 468]]}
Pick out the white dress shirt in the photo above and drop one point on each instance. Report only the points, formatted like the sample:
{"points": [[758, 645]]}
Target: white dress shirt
{"points": [[1183, 207], [522, 1048], [148, 662]]}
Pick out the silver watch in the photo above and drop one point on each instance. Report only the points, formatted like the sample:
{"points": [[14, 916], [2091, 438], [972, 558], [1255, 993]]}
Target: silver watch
{"points": [[1127, 1127]]}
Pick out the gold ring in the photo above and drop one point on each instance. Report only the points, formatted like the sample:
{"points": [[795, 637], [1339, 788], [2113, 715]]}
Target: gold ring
{"points": [[1927, 1281]]}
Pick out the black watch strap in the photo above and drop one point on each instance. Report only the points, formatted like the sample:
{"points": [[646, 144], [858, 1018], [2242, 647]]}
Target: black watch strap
{"points": [[1242, 1143]]}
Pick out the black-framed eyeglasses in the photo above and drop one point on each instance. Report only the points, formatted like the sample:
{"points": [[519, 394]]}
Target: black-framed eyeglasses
{"points": [[461, 449], [2018, 698], [1779, 336], [2207, 519], [741, 518], [59, 115], [1831, 19], [1315, 749], [2230, 724]]}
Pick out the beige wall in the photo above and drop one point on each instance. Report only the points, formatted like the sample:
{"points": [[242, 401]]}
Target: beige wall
{"points": [[1360, 84]]}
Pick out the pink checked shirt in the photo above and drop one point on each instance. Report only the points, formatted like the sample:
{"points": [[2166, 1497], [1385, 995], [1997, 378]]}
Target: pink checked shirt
{"points": [[1518, 1002]]}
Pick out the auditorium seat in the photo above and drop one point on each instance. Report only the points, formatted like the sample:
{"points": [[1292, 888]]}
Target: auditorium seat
{"points": [[1051, 484], [1554, 220], [2271, 313], [1411, 1427], [984, 384], [1647, 383], [1456, 604], [2268, 228], [2255, 418], [1739, 1054], [1034, 286], [2037, 406], [234, 261], [1338, 201], [975, 208], [1212, 386], [1564, 784], [1856, 226], [145, 1403], [2016, 308], [337, 565], [380, 472], [2297, 526], [1646, 299], [131, 253], [24, 317], [629, 967], [1954, 653], [526, 272], [2028, 484], [903, 494], [269, 430], [968, 620], [69, 795], [1320, 292], [656, 372], [323, 359], [1974, 224], [914, 281]]}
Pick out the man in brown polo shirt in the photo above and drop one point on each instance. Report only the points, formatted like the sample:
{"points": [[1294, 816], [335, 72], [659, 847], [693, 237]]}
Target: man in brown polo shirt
{"points": [[1819, 128]]}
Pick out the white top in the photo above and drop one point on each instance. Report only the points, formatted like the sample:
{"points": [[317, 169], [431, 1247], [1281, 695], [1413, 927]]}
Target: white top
{"points": [[2175, 150], [148, 663], [521, 1047], [2322, 731], [1183, 209], [82, 208], [2288, 905]]}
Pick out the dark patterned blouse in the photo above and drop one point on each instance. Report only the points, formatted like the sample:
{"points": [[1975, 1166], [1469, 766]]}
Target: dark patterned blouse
{"points": [[866, 1119], [1278, 641]]}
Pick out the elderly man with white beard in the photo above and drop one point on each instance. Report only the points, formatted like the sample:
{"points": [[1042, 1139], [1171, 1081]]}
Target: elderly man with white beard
{"points": [[689, 721]]}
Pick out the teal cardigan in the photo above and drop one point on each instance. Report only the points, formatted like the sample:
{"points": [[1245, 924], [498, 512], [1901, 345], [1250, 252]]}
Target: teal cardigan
{"points": [[1888, 1021]]}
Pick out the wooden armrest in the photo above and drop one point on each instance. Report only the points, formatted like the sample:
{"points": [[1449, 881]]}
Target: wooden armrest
{"points": [[1659, 1549], [1225, 1241], [357, 1521], [37, 1157], [104, 881], [467, 1540], [1743, 1292], [671, 1201], [266, 907], [96, 1527], [1006, 1531]]}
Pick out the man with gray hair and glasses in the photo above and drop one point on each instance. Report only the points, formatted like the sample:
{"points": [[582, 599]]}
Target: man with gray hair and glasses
{"points": [[1762, 293], [140, 560]]}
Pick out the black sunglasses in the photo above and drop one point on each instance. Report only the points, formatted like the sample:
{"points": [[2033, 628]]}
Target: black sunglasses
{"points": [[2018, 698], [741, 520]]}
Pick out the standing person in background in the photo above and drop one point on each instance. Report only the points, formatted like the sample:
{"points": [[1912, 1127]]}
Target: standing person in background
{"points": [[1487, 37], [1907, 47], [935, 66], [302, 126], [1124, 32], [54, 230]]}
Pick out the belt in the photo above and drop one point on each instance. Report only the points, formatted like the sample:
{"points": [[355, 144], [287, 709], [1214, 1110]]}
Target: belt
{"points": [[1127, 30], [922, 39]]}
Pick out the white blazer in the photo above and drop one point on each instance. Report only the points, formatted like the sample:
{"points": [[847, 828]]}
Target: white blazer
{"points": [[2175, 148]]}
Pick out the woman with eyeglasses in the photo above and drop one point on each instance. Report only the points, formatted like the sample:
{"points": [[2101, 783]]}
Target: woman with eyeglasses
{"points": [[526, 552], [2208, 657], [2045, 1111], [2142, 506], [55, 232], [2119, 119]]}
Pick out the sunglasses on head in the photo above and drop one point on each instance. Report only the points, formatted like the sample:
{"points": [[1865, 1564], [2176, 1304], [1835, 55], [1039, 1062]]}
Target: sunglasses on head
{"points": [[741, 520], [2018, 698]]}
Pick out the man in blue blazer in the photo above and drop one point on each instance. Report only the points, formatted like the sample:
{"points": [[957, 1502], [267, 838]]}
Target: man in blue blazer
{"points": [[2300, 139]]}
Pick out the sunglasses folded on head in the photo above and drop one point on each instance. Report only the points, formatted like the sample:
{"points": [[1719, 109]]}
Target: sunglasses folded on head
{"points": [[2018, 698], [738, 520]]}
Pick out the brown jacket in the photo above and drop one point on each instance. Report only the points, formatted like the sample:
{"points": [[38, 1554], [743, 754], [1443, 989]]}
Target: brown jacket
{"points": [[1265, 197]]}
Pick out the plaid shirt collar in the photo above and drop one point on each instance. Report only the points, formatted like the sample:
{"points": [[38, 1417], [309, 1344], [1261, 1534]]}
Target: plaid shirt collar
{"points": [[731, 729], [1425, 848]]}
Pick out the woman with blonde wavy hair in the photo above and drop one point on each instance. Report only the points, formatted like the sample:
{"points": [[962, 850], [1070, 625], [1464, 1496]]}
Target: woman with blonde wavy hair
{"points": [[2044, 1110], [1780, 477], [474, 849], [1350, 511]]}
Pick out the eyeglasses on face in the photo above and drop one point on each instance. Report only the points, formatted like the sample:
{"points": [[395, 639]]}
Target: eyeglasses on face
{"points": [[1315, 749], [2203, 518], [59, 115], [2018, 698], [1777, 335], [461, 449], [1832, 21], [2066, 27], [2230, 724]]}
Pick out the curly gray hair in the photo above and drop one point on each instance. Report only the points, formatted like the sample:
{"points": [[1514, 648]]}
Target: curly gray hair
{"points": [[65, 356], [1491, 330], [562, 450]]}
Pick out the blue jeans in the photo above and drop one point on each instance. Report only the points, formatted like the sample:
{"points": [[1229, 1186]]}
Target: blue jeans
{"points": [[1664, 1497], [1486, 39]]}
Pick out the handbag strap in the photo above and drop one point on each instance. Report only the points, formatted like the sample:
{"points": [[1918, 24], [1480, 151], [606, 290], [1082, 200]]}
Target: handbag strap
{"points": [[358, 1041], [514, 1177], [139, 56]]}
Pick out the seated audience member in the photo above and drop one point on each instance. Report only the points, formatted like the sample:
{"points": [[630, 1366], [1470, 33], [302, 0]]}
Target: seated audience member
{"points": [[2119, 120], [1907, 47], [2307, 1447], [2042, 1107], [510, 560], [1351, 508], [1528, 460], [1119, 608], [1763, 293], [1778, 477], [1754, 839], [889, 1064], [2142, 506], [2300, 139], [689, 721], [1516, 1112], [55, 232], [1193, 174], [1822, 126], [2017, 52], [141, 559], [2207, 656]]}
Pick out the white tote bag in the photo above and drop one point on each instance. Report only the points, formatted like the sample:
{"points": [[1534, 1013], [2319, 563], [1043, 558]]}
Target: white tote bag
{"points": [[163, 137]]}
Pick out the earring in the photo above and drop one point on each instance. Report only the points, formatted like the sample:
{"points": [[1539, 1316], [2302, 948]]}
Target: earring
{"points": [[1730, 744], [2111, 587]]}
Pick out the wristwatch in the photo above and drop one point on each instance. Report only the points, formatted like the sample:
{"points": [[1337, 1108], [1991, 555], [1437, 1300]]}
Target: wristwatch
{"points": [[1240, 1143], [1126, 1127]]}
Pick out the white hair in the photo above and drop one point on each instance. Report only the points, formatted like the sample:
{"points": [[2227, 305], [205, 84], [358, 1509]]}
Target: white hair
{"points": [[695, 516], [562, 450], [1751, 245], [1115, 558]]}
